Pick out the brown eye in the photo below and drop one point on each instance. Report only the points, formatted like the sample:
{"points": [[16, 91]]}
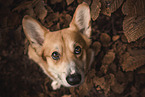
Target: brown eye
{"points": [[55, 55], [77, 50]]}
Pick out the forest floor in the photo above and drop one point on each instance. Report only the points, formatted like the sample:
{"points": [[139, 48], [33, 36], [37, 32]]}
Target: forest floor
{"points": [[113, 72]]}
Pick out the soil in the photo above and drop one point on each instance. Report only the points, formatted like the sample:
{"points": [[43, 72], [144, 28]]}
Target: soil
{"points": [[109, 75]]}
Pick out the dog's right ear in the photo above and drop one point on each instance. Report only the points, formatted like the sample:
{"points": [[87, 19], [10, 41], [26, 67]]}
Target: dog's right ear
{"points": [[34, 31]]}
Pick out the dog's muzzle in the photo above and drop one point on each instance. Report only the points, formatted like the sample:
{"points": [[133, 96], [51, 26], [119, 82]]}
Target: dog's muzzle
{"points": [[74, 79]]}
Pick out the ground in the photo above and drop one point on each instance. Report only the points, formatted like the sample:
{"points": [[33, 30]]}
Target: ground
{"points": [[117, 71]]}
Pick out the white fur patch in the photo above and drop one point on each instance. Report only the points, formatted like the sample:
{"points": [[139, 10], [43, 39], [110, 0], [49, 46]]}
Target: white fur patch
{"points": [[55, 85]]}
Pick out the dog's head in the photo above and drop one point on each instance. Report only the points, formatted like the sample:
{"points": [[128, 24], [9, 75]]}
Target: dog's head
{"points": [[63, 54]]}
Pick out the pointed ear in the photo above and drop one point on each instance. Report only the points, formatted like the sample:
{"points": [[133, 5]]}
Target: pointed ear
{"points": [[34, 31], [81, 19]]}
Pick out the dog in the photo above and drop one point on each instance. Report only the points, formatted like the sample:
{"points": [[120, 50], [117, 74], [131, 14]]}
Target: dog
{"points": [[63, 55]]}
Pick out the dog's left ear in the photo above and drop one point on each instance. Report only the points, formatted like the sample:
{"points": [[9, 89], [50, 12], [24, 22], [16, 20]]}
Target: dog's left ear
{"points": [[81, 19]]}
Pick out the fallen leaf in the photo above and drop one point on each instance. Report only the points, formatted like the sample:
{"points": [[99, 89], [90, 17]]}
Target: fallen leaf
{"points": [[134, 7], [40, 10], [24, 5], [96, 47], [118, 88], [120, 76], [116, 37], [141, 70], [124, 39], [18, 34], [109, 6], [134, 92], [69, 2], [30, 12], [65, 19], [85, 88], [51, 18], [107, 60], [73, 91], [55, 1], [132, 62], [136, 52], [66, 96], [87, 1], [105, 82], [95, 9], [105, 39], [134, 27]]}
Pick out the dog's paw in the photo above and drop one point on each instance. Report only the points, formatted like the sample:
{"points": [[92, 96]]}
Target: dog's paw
{"points": [[55, 85]]}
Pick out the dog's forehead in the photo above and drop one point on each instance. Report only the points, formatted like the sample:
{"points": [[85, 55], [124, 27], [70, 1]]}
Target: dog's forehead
{"points": [[63, 38], [53, 40], [72, 36]]}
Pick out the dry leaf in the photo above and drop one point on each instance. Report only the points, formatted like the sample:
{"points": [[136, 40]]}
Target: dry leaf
{"points": [[87, 1], [65, 19], [88, 84], [55, 1], [96, 47], [118, 88], [136, 52], [69, 2], [132, 62], [40, 10], [18, 33], [66, 96], [141, 70], [134, 92], [30, 12], [134, 7], [80, 1], [95, 9], [105, 39], [116, 37], [109, 6], [26, 5], [107, 60], [134, 22], [23, 5], [134, 27], [52, 17], [113, 67], [105, 82], [49, 9], [85, 88]]}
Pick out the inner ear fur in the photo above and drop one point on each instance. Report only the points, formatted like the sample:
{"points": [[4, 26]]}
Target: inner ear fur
{"points": [[34, 31], [81, 19]]}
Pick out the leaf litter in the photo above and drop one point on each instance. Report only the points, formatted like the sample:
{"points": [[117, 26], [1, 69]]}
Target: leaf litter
{"points": [[118, 64]]}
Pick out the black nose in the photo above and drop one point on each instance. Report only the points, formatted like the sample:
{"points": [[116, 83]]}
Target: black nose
{"points": [[74, 79]]}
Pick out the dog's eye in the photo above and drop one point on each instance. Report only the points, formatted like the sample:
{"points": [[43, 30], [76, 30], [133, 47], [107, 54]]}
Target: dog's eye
{"points": [[55, 55], [77, 50]]}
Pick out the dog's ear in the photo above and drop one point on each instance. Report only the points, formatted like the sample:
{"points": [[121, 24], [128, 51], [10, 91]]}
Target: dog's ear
{"points": [[81, 19], [34, 31]]}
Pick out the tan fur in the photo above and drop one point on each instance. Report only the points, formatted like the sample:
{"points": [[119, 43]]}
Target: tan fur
{"points": [[43, 43]]}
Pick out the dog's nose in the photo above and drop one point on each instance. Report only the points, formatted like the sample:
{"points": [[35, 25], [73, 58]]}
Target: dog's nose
{"points": [[74, 79]]}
